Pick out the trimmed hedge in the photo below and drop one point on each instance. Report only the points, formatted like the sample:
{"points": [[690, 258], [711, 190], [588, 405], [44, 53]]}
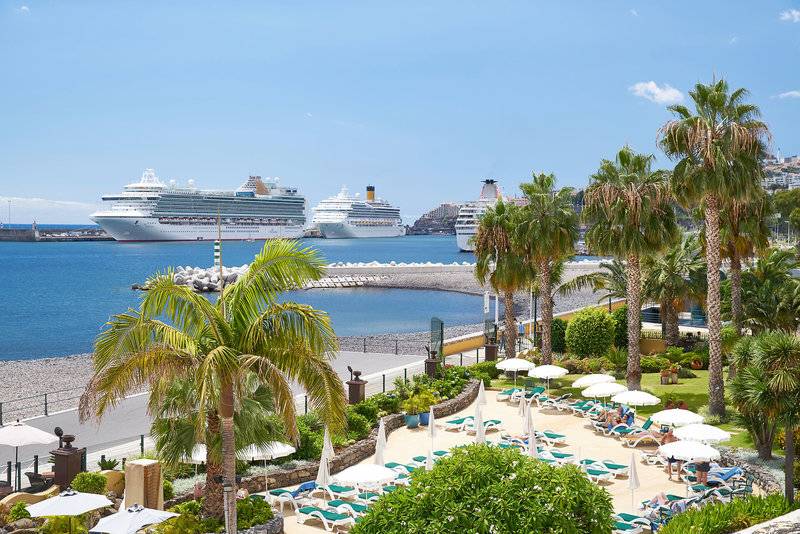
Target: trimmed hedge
{"points": [[480, 488], [558, 332], [89, 483], [725, 518], [590, 332], [620, 316]]}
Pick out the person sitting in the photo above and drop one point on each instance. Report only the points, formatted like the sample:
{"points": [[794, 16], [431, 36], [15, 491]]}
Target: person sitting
{"points": [[702, 467], [669, 437]]}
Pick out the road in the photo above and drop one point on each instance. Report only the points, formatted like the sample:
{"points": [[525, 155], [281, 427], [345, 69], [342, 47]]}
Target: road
{"points": [[129, 419]]}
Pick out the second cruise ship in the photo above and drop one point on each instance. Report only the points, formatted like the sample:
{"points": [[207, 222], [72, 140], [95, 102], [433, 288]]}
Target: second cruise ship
{"points": [[347, 216], [468, 215], [149, 210]]}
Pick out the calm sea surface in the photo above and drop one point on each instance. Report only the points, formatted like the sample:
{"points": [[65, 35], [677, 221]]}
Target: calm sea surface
{"points": [[55, 297]]}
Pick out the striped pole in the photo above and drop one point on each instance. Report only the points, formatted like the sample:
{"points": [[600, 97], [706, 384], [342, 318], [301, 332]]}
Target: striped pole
{"points": [[217, 253]]}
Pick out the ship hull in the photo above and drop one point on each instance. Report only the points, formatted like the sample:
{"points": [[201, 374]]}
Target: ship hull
{"points": [[348, 231], [464, 241], [127, 229]]}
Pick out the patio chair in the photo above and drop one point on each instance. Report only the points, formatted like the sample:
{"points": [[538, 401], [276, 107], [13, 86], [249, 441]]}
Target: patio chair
{"points": [[346, 507], [743, 488], [296, 498], [38, 480], [329, 519]]}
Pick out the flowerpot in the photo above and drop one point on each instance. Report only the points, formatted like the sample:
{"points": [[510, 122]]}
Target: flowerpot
{"points": [[696, 365], [412, 420], [424, 418], [673, 378], [664, 380]]}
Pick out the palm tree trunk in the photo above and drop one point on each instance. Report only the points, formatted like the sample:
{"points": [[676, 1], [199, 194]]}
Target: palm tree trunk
{"points": [[228, 453], [788, 465], [511, 324], [212, 493], [736, 290], [716, 383], [634, 274], [669, 316], [546, 291]]}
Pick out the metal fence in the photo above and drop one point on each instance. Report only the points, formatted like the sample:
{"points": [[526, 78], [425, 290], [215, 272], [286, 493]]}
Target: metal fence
{"points": [[383, 345], [38, 405]]}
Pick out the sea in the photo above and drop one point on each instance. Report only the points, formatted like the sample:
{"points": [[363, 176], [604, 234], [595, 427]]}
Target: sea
{"points": [[56, 297]]}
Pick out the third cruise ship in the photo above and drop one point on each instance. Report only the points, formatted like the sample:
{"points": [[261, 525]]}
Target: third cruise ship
{"points": [[347, 216], [468, 215]]}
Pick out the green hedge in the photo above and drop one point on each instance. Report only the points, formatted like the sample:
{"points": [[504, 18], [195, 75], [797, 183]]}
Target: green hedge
{"points": [[590, 332], [490, 368], [89, 483], [481, 488], [653, 364], [620, 316], [558, 332], [725, 518]]}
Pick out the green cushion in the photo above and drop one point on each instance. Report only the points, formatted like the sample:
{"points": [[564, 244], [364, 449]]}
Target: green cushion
{"points": [[330, 516], [367, 495], [615, 467], [596, 472], [340, 489], [360, 508], [277, 492], [624, 526], [629, 517], [389, 489]]}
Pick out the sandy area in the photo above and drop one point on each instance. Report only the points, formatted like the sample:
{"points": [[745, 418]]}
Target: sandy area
{"points": [[403, 444]]}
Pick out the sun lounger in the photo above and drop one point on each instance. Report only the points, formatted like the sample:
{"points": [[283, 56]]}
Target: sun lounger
{"points": [[458, 423], [607, 465], [634, 440], [400, 468], [367, 496], [402, 480], [528, 393], [558, 457], [596, 475], [652, 458], [297, 497], [335, 491], [551, 438], [552, 402], [491, 424], [329, 519], [506, 394], [633, 519], [346, 507], [420, 460], [621, 527]]}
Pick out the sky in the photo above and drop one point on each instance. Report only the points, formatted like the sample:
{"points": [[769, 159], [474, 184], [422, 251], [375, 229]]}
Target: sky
{"points": [[421, 99]]}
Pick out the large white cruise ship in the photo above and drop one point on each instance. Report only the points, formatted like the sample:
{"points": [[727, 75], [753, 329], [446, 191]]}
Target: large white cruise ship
{"points": [[468, 215], [344, 216], [150, 210]]}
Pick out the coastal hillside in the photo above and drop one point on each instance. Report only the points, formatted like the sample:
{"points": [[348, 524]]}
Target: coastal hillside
{"points": [[440, 221]]}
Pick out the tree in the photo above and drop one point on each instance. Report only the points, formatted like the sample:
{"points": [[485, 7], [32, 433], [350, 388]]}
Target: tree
{"points": [[672, 277], [175, 429], [715, 146], [545, 234], [500, 263], [794, 220], [770, 294], [628, 206], [611, 279], [220, 345]]}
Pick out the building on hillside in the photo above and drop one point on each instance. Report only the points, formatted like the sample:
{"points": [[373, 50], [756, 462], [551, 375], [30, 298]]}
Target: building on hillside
{"points": [[782, 173]]}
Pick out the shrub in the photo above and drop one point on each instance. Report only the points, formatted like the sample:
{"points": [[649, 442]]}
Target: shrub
{"points": [[310, 429], [480, 486], [369, 409], [711, 419], [490, 368], [89, 483], [573, 365], [558, 332], [358, 426], [685, 372], [620, 316], [61, 524], [618, 358], [251, 512], [190, 521], [654, 364], [724, 518], [169, 490], [107, 464], [590, 332], [419, 403], [387, 403], [675, 355], [480, 375], [17, 512], [782, 441]]}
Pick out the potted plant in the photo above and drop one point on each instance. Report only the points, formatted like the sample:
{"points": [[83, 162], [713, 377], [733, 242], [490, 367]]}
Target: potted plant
{"points": [[411, 409], [665, 376], [425, 399], [673, 373], [696, 364]]}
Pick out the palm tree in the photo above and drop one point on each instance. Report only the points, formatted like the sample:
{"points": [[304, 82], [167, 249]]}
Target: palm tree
{"points": [[611, 279], [671, 278], [220, 345], [499, 263], [770, 294], [744, 231], [715, 147], [628, 206], [546, 235], [175, 429]]}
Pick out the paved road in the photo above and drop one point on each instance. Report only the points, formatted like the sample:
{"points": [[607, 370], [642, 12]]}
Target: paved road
{"points": [[129, 419]]}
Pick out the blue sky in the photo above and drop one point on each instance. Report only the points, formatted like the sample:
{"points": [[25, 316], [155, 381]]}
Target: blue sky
{"points": [[422, 99]]}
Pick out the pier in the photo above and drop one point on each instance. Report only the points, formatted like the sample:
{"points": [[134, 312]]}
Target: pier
{"points": [[35, 233]]}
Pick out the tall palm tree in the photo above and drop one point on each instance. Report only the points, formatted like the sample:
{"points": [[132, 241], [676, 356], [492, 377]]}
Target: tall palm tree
{"points": [[175, 429], [220, 345], [610, 279], [499, 263], [743, 232], [770, 294], [715, 147], [672, 277], [546, 235], [628, 206]]}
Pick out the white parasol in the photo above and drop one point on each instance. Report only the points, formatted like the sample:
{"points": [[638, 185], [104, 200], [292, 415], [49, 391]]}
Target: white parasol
{"points": [[590, 380], [702, 433], [603, 390], [688, 451], [635, 397], [130, 520], [676, 417]]}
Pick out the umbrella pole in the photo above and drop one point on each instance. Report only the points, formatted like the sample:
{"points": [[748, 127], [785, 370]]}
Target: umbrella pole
{"points": [[13, 471]]}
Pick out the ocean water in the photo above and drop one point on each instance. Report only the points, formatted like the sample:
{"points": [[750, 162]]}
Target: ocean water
{"points": [[55, 297]]}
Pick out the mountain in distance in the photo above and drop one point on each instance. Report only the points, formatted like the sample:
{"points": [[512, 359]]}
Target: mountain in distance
{"points": [[438, 221]]}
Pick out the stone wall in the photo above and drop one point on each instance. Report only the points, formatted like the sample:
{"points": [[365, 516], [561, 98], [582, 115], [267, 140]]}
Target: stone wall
{"points": [[762, 477], [350, 455]]}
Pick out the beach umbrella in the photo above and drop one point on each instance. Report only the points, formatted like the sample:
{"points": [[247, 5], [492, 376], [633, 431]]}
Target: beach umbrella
{"points": [[380, 443], [69, 503], [480, 433], [18, 435], [515, 365], [676, 417], [522, 407], [432, 432], [688, 451], [531, 430], [633, 480], [268, 451], [547, 372], [481, 399], [635, 397], [603, 390], [590, 380], [702, 433], [327, 445], [324, 472], [365, 475], [130, 520]]}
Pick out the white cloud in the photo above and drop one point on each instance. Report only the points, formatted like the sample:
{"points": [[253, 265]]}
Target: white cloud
{"points": [[309, 115], [23, 10], [790, 94], [733, 40], [634, 12], [665, 94], [791, 15]]}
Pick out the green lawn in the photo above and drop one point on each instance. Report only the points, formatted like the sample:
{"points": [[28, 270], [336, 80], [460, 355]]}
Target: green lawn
{"points": [[694, 391]]}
